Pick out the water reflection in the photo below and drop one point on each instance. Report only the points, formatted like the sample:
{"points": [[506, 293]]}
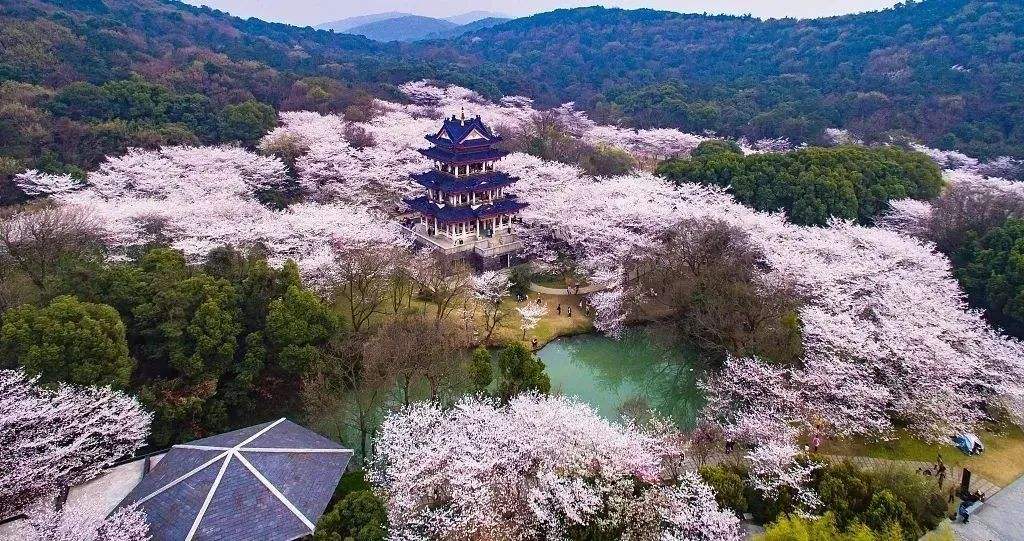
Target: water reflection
{"points": [[607, 373]]}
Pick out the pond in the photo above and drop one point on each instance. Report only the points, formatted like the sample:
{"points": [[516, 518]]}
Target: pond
{"points": [[608, 373]]}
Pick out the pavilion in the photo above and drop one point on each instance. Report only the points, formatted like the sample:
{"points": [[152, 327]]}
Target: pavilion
{"points": [[270, 481], [466, 210]]}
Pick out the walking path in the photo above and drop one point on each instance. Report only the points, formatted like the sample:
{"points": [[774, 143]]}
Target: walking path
{"points": [[1001, 517], [582, 290]]}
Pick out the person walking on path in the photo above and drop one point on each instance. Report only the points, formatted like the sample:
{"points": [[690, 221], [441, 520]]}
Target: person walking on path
{"points": [[815, 443], [559, 308], [568, 311]]}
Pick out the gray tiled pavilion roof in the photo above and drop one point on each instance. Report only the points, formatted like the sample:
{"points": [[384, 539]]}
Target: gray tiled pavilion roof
{"points": [[270, 481]]}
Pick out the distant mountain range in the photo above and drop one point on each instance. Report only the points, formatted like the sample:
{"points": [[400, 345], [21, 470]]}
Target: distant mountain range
{"points": [[947, 72], [398, 26]]}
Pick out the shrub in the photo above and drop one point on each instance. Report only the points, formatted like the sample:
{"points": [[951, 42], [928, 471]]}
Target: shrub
{"points": [[887, 512], [716, 146], [359, 516], [728, 487], [607, 161], [481, 371], [67, 341]]}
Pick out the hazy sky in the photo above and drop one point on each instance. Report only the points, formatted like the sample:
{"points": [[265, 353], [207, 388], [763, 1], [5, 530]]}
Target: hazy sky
{"points": [[311, 12]]}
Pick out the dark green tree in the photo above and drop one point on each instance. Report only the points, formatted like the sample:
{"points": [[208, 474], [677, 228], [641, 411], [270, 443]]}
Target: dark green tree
{"points": [[520, 371], [247, 122], [812, 185], [67, 341], [298, 325], [991, 271], [713, 147], [728, 485], [359, 516], [481, 370]]}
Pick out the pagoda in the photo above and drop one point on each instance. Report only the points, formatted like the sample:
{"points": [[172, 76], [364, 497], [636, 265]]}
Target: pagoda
{"points": [[466, 210]]}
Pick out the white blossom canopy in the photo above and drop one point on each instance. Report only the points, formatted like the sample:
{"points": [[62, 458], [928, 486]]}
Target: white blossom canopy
{"points": [[888, 337], [457, 473]]}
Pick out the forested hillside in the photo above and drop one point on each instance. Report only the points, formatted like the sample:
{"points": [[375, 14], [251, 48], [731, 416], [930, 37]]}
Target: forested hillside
{"points": [[947, 71], [81, 79], [86, 78]]}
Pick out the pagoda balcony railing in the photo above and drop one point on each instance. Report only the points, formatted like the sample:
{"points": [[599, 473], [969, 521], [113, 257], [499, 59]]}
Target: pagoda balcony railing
{"points": [[491, 246], [491, 249]]}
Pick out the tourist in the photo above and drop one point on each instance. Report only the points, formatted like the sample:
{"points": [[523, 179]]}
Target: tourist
{"points": [[815, 443], [942, 473], [559, 308], [568, 311], [535, 343], [962, 511]]}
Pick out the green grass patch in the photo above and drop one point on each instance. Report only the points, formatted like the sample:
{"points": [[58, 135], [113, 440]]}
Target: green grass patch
{"points": [[1002, 462]]}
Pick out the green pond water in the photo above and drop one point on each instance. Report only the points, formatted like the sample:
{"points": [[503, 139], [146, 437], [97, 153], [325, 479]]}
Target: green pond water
{"points": [[607, 373]]}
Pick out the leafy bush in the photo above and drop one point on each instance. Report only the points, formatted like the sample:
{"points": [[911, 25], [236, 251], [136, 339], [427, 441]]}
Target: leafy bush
{"points": [[728, 485], [520, 371], [887, 511], [991, 271], [823, 528], [359, 516], [67, 341], [481, 371], [815, 184]]}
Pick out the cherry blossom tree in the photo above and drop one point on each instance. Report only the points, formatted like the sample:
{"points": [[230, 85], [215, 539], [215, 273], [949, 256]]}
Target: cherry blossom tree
{"points": [[84, 524], [34, 183], [52, 439], [538, 468], [531, 314], [200, 198], [490, 288]]}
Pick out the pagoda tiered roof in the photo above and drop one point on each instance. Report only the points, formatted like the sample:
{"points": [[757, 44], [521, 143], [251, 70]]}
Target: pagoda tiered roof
{"points": [[457, 132], [454, 214], [451, 184], [461, 157]]}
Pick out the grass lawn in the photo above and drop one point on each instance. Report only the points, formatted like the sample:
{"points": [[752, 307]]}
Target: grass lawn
{"points": [[1001, 463], [551, 326], [555, 280]]}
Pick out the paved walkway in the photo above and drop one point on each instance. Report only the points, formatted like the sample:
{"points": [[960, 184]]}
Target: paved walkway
{"points": [[1001, 517], [583, 290]]}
